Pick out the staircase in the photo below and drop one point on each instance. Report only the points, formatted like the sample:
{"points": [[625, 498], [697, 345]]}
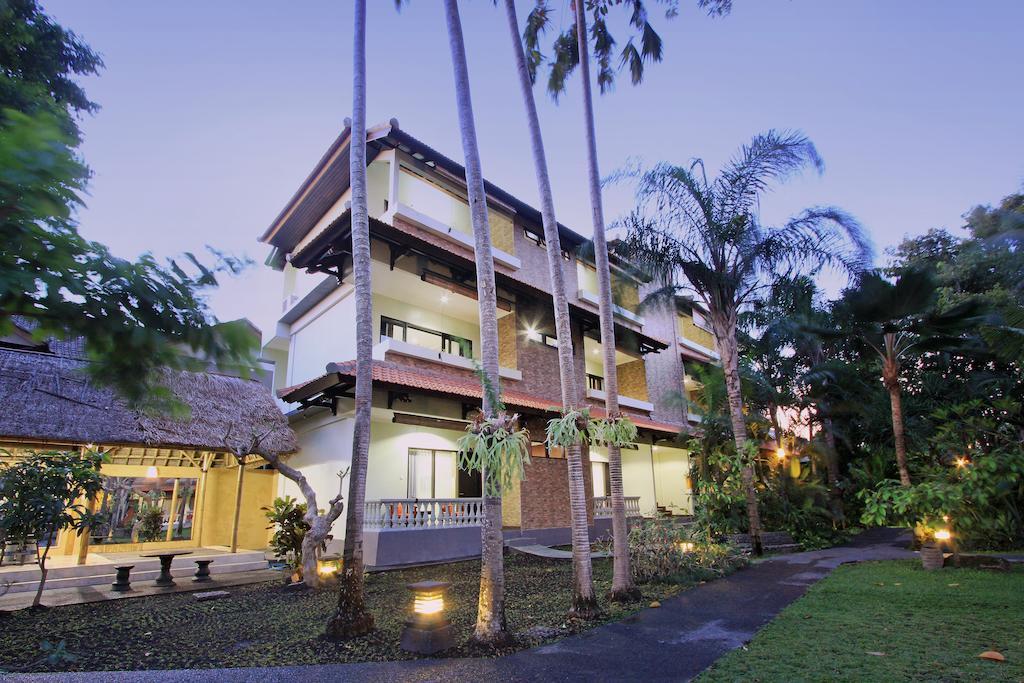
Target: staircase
{"points": [[26, 578]]}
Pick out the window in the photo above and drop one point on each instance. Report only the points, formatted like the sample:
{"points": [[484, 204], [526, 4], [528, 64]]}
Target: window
{"points": [[431, 473], [542, 338], [540, 449], [435, 474], [539, 240], [700, 321], [595, 382], [425, 337], [602, 482]]}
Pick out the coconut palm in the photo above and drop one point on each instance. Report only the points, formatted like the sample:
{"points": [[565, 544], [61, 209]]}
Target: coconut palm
{"points": [[892, 320], [708, 238], [490, 623], [572, 49], [583, 601], [351, 617]]}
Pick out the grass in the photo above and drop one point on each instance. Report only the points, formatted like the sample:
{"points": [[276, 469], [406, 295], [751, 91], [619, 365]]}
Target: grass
{"points": [[265, 625], [890, 621]]}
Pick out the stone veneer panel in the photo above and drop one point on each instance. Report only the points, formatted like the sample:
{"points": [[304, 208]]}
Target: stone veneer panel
{"points": [[633, 380], [508, 356], [544, 493]]}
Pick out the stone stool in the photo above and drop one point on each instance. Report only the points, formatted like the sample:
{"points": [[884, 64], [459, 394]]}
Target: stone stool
{"points": [[202, 571], [122, 582]]}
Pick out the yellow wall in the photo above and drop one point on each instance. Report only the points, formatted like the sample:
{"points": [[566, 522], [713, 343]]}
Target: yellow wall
{"points": [[695, 334], [671, 472], [258, 489]]}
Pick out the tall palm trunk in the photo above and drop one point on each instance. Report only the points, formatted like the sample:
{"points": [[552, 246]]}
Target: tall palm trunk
{"points": [[622, 586], [891, 380], [351, 618], [582, 574], [835, 494], [724, 324], [490, 620]]}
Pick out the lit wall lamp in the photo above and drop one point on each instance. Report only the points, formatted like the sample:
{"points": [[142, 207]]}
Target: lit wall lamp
{"points": [[428, 630], [152, 473]]}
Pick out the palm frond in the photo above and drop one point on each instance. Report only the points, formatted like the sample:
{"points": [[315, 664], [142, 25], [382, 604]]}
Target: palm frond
{"points": [[773, 156]]}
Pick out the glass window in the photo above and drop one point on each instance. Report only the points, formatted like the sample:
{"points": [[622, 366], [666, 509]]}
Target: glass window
{"points": [[435, 474], [602, 482], [142, 510]]}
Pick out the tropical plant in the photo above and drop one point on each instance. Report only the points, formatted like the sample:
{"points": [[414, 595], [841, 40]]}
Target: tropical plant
{"points": [[149, 517], [978, 489], [42, 494], [891, 321], [574, 421], [572, 49], [185, 493], [490, 624], [706, 237], [351, 617], [662, 551], [287, 519]]}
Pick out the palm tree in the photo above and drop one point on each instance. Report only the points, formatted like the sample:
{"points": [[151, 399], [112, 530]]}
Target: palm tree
{"points": [[583, 602], [706, 237], [892, 320], [571, 49], [351, 617], [490, 622]]}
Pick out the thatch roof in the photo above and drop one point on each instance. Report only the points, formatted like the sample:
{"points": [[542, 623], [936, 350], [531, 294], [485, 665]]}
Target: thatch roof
{"points": [[48, 398]]}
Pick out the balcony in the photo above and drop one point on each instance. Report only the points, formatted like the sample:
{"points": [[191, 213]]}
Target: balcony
{"points": [[696, 337], [401, 514], [603, 507], [617, 311], [631, 372]]}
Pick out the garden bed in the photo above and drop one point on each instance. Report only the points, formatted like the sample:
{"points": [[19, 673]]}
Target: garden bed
{"points": [[890, 621], [267, 625]]}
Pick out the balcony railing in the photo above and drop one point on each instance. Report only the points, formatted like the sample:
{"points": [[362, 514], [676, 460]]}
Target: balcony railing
{"points": [[603, 506], [422, 513], [595, 382]]}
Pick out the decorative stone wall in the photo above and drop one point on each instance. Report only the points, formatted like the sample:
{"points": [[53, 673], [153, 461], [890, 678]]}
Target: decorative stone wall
{"points": [[633, 380], [507, 343], [544, 493]]}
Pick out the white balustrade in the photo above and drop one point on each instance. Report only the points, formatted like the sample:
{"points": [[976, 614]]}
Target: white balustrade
{"points": [[422, 513], [603, 506]]}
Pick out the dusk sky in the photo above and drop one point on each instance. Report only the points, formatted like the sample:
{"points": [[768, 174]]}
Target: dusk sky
{"points": [[213, 112]]}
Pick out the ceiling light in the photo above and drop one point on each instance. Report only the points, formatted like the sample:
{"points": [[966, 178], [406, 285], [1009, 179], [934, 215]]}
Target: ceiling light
{"points": [[444, 298]]}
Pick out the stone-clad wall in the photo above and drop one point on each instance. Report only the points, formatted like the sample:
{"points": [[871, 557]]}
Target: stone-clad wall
{"points": [[507, 343], [545, 493], [633, 380], [664, 369]]}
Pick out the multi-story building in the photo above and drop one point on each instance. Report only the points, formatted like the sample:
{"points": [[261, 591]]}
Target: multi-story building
{"points": [[420, 504]]}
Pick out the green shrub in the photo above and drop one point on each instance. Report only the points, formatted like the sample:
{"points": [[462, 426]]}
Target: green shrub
{"points": [[978, 492], [287, 520], [657, 553]]}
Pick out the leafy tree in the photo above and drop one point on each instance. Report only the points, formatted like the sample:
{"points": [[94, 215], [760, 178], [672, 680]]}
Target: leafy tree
{"points": [[622, 585], [571, 49], [706, 237], [287, 519], [45, 493], [891, 321], [136, 316]]}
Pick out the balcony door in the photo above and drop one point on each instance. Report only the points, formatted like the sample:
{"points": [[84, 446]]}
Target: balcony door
{"points": [[435, 474]]}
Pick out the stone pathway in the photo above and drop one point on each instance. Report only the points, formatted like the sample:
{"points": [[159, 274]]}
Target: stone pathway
{"points": [[673, 643], [552, 553]]}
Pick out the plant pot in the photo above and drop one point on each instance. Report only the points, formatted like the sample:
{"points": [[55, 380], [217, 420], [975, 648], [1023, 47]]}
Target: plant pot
{"points": [[932, 557]]}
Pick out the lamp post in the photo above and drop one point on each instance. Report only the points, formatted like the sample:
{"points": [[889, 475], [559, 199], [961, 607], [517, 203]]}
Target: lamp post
{"points": [[428, 630], [328, 567]]}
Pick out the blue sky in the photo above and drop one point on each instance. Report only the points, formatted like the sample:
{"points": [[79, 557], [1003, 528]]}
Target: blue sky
{"points": [[213, 112]]}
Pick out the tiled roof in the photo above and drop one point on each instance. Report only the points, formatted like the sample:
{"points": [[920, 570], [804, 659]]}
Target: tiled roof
{"points": [[458, 383]]}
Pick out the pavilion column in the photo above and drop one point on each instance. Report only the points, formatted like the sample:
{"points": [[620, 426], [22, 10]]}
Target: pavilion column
{"points": [[81, 543], [174, 510], [199, 511], [238, 505]]}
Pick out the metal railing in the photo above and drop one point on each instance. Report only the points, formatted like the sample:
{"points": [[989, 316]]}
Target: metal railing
{"points": [[422, 513], [603, 506], [595, 382]]}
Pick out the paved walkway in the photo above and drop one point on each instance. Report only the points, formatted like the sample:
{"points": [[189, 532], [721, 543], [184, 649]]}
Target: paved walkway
{"points": [[673, 643], [553, 553]]}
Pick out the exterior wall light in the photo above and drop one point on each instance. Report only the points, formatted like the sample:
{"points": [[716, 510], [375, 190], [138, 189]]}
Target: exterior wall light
{"points": [[428, 630], [962, 462], [152, 473], [780, 453], [943, 534]]}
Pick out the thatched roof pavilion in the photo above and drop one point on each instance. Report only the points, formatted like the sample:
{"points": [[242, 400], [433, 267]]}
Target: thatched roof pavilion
{"points": [[47, 399]]}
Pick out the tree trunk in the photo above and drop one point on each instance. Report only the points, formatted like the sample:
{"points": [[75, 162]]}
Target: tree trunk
{"points": [[622, 587], [835, 493], [891, 379], [490, 623], [582, 569], [724, 324], [310, 543], [43, 571], [351, 618]]}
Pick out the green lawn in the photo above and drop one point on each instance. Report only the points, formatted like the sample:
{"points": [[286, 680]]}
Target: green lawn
{"points": [[890, 621]]}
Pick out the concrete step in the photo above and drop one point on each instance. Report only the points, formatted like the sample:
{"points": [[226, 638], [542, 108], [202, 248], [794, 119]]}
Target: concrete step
{"points": [[105, 574]]}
